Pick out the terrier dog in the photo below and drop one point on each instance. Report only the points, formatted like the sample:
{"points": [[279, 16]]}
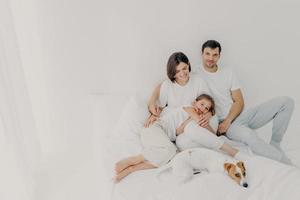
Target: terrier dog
{"points": [[185, 163]]}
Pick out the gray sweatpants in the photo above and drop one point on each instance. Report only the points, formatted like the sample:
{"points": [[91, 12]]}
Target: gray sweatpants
{"points": [[279, 110]]}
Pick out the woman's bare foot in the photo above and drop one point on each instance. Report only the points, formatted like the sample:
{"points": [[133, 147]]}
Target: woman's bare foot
{"points": [[125, 163], [140, 166], [123, 174]]}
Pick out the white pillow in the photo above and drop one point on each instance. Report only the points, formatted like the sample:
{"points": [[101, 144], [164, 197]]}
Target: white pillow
{"points": [[118, 123], [131, 119], [107, 109]]}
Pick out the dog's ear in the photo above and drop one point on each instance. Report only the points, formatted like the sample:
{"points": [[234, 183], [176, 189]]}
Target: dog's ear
{"points": [[227, 166], [241, 165]]}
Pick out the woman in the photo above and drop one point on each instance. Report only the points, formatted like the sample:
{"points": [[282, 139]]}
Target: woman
{"points": [[181, 88]]}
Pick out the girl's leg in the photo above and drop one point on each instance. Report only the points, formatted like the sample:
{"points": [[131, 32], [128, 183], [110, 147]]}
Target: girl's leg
{"points": [[201, 136], [229, 150], [133, 160], [133, 168], [196, 134]]}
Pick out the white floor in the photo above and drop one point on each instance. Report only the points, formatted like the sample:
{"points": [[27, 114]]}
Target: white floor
{"points": [[82, 180]]}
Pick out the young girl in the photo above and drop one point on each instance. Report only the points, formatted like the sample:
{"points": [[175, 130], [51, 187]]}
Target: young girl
{"points": [[195, 135], [168, 125]]}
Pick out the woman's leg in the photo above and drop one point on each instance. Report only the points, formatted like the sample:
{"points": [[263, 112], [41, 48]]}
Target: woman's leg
{"points": [[157, 151], [157, 147], [132, 160]]}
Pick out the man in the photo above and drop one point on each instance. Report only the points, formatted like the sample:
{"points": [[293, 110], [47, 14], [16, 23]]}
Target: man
{"points": [[238, 125]]}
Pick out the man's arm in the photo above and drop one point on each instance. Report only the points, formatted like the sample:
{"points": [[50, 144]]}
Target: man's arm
{"points": [[235, 110]]}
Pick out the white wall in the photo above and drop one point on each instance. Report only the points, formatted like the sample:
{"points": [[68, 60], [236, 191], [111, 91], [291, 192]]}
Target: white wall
{"points": [[111, 46]]}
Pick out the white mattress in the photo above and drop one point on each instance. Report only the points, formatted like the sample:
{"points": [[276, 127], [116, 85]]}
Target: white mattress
{"points": [[267, 179]]}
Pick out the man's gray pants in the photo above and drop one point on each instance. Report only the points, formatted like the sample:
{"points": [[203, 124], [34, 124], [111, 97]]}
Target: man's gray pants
{"points": [[279, 110]]}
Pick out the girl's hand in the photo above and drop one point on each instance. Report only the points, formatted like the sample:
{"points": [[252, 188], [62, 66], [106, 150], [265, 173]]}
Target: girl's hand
{"points": [[204, 119]]}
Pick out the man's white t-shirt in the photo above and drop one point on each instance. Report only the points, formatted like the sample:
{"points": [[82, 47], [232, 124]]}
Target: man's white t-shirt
{"points": [[175, 95], [220, 84]]}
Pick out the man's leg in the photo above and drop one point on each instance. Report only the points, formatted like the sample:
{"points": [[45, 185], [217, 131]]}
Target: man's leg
{"points": [[248, 136], [279, 110]]}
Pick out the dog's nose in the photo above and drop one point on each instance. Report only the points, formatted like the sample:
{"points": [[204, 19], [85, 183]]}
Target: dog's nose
{"points": [[245, 185]]}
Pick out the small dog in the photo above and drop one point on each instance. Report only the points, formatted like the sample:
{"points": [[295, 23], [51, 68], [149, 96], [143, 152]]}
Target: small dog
{"points": [[185, 163]]}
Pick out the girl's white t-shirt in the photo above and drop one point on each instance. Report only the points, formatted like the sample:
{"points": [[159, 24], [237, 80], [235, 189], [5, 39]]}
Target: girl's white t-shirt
{"points": [[172, 120]]}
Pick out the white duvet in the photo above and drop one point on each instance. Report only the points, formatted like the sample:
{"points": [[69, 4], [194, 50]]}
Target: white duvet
{"points": [[267, 179]]}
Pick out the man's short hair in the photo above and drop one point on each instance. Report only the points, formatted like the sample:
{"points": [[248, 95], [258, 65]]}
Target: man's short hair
{"points": [[211, 44]]}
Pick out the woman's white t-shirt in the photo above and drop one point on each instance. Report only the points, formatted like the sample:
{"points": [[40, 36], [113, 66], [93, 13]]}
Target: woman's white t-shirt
{"points": [[174, 95]]}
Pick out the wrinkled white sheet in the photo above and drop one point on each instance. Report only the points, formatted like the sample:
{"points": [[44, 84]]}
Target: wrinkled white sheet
{"points": [[267, 179]]}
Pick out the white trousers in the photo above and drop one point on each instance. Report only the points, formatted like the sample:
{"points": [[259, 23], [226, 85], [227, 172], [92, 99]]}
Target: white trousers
{"points": [[197, 136], [157, 147], [279, 110]]}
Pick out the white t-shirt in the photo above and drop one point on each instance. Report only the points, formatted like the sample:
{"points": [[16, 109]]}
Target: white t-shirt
{"points": [[175, 95], [172, 120], [220, 84]]}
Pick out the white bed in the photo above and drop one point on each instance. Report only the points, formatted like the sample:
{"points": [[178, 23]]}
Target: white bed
{"points": [[118, 120]]}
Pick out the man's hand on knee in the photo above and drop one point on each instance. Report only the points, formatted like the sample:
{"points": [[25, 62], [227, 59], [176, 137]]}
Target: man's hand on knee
{"points": [[223, 127]]}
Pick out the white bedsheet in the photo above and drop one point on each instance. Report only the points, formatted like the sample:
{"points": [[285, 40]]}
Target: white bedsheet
{"points": [[267, 179]]}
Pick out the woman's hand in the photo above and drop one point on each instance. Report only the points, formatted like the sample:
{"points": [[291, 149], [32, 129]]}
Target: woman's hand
{"points": [[154, 110], [151, 119]]}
